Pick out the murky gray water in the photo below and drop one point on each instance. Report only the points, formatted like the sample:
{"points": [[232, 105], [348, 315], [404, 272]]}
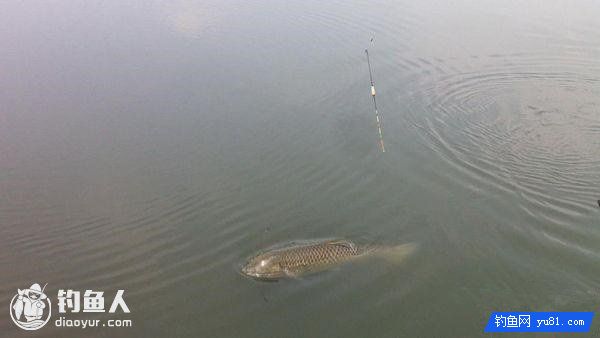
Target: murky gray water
{"points": [[153, 147]]}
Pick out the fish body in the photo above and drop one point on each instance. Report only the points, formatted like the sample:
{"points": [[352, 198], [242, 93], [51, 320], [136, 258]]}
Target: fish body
{"points": [[18, 307], [297, 260]]}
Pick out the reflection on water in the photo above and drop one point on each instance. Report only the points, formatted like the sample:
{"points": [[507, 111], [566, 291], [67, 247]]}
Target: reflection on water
{"points": [[153, 147]]}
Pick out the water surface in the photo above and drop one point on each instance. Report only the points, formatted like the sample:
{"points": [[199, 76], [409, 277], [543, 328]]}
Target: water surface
{"points": [[152, 147]]}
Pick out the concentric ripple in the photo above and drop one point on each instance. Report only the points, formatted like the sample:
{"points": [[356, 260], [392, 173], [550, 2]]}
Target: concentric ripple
{"points": [[536, 133]]}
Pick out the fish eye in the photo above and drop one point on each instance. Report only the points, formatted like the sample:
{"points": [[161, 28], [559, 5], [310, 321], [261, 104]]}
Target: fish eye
{"points": [[263, 263]]}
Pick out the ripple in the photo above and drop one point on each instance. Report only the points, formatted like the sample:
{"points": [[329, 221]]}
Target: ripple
{"points": [[520, 128]]}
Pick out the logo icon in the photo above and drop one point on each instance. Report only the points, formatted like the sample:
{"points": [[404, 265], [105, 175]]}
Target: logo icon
{"points": [[30, 308]]}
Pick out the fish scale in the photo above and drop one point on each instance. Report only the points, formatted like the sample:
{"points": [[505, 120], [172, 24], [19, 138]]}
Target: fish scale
{"points": [[317, 254]]}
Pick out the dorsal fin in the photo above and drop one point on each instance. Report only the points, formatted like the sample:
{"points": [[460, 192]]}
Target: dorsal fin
{"points": [[341, 242]]}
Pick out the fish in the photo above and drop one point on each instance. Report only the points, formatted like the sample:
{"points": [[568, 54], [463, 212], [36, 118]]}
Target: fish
{"points": [[302, 259], [18, 307]]}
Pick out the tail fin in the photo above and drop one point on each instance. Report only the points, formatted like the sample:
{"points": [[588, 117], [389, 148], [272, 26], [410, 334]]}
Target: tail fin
{"points": [[395, 254]]}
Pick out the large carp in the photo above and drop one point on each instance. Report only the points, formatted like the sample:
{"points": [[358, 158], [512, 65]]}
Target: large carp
{"points": [[300, 259]]}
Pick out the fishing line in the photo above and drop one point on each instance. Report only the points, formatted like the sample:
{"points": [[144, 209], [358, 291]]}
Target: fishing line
{"points": [[375, 103]]}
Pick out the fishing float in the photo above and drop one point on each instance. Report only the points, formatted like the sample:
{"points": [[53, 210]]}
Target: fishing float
{"points": [[375, 103]]}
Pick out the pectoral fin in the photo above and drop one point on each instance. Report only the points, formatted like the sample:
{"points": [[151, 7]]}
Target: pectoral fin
{"points": [[291, 274]]}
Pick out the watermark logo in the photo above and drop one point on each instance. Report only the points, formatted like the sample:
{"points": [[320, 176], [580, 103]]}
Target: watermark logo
{"points": [[30, 308], [93, 301], [539, 322]]}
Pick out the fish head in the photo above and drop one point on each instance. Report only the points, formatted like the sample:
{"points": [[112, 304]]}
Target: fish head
{"points": [[264, 266]]}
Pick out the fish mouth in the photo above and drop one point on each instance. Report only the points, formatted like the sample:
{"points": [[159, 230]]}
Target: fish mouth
{"points": [[249, 272], [258, 276], [246, 271]]}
